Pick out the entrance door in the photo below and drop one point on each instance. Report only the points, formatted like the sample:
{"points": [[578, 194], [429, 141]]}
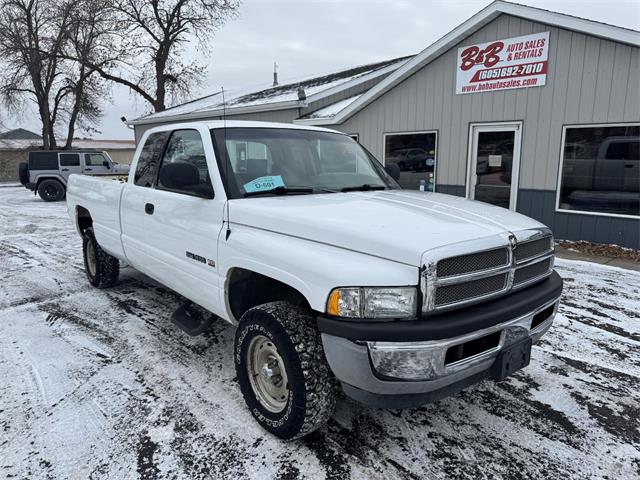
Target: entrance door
{"points": [[494, 163]]}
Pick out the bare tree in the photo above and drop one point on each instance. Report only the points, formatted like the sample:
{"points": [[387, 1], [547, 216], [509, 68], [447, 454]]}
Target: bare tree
{"points": [[30, 42], [87, 33], [148, 40]]}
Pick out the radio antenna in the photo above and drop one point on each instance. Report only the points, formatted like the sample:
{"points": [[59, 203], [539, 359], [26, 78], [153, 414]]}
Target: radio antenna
{"points": [[226, 159]]}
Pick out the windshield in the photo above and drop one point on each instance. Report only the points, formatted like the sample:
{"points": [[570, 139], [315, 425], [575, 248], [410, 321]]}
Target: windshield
{"points": [[276, 161]]}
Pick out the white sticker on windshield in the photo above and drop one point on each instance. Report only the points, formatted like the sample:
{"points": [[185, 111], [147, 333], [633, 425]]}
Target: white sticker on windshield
{"points": [[263, 183]]}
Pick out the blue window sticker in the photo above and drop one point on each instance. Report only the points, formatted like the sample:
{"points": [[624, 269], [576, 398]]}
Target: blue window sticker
{"points": [[263, 183]]}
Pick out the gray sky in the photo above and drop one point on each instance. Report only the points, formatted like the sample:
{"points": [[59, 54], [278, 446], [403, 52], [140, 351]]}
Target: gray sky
{"points": [[307, 37]]}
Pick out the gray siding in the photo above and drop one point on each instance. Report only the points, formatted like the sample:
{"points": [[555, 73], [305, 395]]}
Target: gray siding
{"points": [[590, 80]]}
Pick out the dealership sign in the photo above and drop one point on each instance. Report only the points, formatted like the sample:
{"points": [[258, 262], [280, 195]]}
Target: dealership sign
{"points": [[518, 62]]}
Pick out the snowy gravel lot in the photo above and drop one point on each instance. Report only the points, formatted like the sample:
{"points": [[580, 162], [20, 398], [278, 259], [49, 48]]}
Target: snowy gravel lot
{"points": [[100, 384]]}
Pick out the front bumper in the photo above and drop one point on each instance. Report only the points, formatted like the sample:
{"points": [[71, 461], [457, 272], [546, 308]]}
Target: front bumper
{"points": [[405, 364]]}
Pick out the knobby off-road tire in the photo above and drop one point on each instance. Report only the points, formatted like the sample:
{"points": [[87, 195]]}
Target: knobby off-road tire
{"points": [[311, 388], [51, 190], [102, 269]]}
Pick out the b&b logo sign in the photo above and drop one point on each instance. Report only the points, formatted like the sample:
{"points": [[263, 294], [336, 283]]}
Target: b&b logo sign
{"points": [[518, 62]]}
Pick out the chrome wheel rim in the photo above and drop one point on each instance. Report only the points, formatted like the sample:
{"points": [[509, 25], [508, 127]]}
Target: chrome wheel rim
{"points": [[91, 259], [267, 374]]}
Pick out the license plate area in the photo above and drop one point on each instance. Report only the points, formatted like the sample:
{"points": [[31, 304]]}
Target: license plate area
{"points": [[512, 358]]}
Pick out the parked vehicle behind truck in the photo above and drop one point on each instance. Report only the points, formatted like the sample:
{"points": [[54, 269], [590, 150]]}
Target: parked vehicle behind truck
{"points": [[333, 276], [47, 171]]}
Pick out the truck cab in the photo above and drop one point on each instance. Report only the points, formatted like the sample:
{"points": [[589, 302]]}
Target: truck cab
{"points": [[47, 171]]}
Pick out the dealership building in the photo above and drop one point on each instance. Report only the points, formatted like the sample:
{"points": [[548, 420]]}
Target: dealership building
{"points": [[524, 108]]}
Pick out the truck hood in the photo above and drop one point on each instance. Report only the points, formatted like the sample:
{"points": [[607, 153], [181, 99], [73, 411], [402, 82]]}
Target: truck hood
{"points": [[398, 225]]}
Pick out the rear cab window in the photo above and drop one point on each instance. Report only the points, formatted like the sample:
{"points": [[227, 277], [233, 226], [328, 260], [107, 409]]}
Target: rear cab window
{"points": [[69, 159], [149, 159]]}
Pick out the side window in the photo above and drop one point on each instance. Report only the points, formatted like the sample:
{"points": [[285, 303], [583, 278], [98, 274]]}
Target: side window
{"points": [[93, 159], [149, 159], [69, 159], [184, 165]]}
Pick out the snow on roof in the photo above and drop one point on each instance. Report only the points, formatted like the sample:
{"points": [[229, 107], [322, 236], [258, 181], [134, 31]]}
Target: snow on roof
{"points": [[332, 110], [312, 86], [23, 144]]}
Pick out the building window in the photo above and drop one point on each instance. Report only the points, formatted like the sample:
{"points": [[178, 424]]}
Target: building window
{"points": [[600, 170], [415, 155]]}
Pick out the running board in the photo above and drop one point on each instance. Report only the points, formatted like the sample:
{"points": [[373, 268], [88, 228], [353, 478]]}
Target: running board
{"points": [[192, 319]]}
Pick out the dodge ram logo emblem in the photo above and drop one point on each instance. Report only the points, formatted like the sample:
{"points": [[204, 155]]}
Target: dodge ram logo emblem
{"points": [[512, 242]]}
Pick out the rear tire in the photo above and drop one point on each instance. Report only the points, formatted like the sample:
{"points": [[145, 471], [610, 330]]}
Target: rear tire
{"points": [[51, 190], [102, 269], [298, 392]]}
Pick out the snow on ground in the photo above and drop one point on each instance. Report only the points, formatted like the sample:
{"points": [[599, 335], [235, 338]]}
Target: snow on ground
{"points": [[100, 384]]}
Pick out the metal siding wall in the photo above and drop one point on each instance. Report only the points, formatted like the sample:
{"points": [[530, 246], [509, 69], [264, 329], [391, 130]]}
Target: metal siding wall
{"points": [[540, 204], [590, 80]]}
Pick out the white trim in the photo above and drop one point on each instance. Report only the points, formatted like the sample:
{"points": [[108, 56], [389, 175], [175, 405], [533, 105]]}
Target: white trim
{"points": [[556, 206], [477, 21], [267, 107], [417, 132], [475, 128]]}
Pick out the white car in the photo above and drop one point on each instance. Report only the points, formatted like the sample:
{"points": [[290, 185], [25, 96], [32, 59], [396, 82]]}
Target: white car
{"points": [[333, 275]]}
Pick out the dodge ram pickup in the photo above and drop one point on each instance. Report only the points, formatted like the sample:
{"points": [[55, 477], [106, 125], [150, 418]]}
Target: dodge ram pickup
{"points": [[333, 275]]}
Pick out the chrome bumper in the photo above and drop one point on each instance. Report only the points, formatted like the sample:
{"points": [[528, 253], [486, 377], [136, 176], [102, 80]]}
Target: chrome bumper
{"points": [[397, 368]]}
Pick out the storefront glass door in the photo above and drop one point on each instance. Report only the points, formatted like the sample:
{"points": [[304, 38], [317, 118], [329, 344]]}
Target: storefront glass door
{"points": [[494, 163]]}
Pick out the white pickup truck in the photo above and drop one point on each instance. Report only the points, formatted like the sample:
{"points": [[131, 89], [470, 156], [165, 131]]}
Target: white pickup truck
{"points": [[333, 275]]}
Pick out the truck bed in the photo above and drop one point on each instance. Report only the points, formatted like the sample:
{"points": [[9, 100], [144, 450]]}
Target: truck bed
{"points": [[100, 195]]}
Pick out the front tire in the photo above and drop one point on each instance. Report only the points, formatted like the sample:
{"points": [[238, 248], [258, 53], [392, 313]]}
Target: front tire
{"points": [[51, 190], [283, 374], [102, 269]]}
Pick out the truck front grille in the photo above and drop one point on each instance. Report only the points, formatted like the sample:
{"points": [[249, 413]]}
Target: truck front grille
{"points": [[531, 272], [533, 248], [451, 294], [473, 262], [474, 276]]}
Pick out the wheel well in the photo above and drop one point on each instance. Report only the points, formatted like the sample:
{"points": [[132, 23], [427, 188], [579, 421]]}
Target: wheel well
{"points": [[42, 179], [246, 289], [83, 218]]}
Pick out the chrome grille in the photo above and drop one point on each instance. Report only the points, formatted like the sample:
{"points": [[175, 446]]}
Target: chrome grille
{"points": [[533, 248], [473, 262], [531, 272], [470, 272], [458, 292]]}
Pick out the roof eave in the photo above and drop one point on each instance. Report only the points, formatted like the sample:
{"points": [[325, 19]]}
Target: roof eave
{"points": [[229, 111]]}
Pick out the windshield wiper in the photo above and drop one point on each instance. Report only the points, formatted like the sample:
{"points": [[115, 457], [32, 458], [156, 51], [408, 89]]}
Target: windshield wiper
{"points": [[363, 188], [280, 191]]}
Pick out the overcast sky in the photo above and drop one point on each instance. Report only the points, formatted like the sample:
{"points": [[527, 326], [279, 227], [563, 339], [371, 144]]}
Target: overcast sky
{"points": [[307, 37]]}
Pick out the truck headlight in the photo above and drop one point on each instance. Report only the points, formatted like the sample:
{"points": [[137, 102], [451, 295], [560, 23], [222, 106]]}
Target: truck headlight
{"points": [[373, 302]]}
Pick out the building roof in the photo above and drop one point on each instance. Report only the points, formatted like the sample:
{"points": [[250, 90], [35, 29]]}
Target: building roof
{"points": [[275, 98], [480, 19], [80, 143], [19, 134]]}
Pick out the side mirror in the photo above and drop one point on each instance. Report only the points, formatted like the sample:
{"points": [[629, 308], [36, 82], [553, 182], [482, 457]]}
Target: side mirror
{"points": [[393, 170], [106, 164]]}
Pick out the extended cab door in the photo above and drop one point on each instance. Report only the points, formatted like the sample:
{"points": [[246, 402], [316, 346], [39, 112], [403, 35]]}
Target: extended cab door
{"points": [[183, 218], [134, 199]]}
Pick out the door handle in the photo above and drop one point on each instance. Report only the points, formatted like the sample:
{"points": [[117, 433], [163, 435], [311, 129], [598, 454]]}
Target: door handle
{"points": [[64, 169], [148, 208], [88, 169]]}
